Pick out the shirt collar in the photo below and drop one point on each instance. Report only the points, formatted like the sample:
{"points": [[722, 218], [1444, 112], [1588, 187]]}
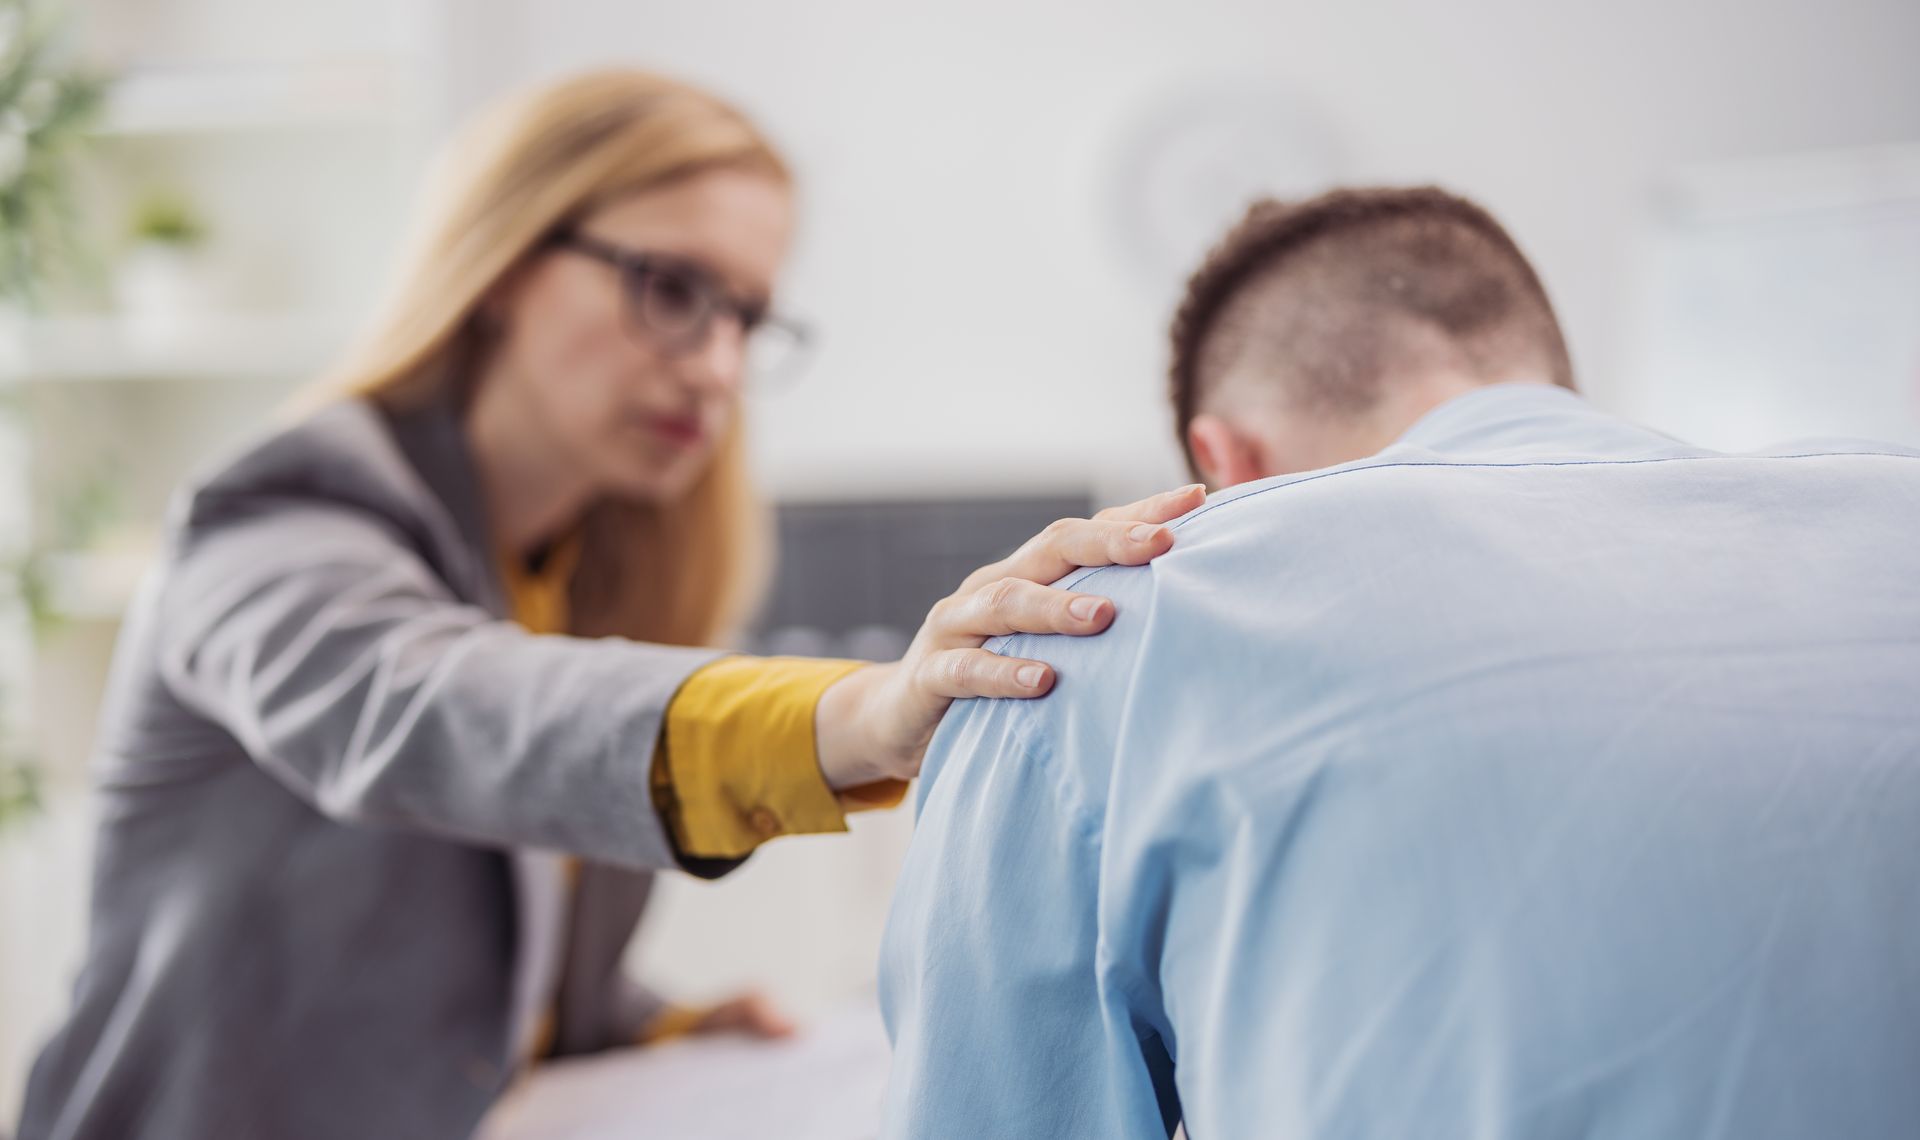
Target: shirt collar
{"points": [[1467, 417]]}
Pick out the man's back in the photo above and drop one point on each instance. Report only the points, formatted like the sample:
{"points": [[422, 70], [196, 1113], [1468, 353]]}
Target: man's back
{"points": [[1538, 777]]}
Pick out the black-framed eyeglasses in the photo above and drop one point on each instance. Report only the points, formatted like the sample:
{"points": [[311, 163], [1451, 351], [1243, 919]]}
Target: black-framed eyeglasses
{"points": [[673, 303]]}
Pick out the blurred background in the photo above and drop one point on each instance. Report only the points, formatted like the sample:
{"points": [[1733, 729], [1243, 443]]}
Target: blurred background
{"points": [[1000, 201]]}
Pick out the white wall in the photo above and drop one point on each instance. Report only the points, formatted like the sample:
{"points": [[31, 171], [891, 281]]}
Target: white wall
{"points": [[959, 246]]}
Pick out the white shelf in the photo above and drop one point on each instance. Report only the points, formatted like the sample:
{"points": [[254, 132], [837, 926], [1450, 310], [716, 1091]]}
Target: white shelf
{"points": [[88, 585], [162, 101], [233, 347]]}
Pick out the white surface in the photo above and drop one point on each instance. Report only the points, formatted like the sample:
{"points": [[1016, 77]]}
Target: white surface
{"points": [[178, 100], [209, 346], [1198, 155], [96, 586], [1782, 301], [801, 920], [958, 250], [825, 1084]]}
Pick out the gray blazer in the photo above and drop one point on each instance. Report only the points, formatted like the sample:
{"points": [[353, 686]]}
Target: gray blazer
{"points": [[325, 762]]}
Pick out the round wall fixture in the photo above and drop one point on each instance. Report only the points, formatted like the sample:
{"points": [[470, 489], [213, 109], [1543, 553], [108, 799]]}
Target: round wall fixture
{"points": [[1188, 166]]}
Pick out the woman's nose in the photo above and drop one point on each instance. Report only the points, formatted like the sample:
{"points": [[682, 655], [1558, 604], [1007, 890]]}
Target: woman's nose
{"points": [[721, 360]]}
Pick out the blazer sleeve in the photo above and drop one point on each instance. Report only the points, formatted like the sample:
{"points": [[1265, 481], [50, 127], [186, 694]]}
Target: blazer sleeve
{"points": [[323, 642]]}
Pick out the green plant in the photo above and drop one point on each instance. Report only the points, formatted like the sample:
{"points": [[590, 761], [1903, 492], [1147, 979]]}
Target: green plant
{"points": [[46, 110], [29, 588], [168, 219], [19, 789], [27, 581]]}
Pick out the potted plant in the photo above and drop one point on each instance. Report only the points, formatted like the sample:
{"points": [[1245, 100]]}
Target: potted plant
{"points": [[160, 283]]}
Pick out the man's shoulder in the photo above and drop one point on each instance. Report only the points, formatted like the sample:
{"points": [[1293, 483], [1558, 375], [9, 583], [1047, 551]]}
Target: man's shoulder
{"points": [[1232, 548], [1330, 570], [1241, 539]]}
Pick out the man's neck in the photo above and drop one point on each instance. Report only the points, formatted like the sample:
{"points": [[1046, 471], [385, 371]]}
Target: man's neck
{"points": [[1404, 400]]}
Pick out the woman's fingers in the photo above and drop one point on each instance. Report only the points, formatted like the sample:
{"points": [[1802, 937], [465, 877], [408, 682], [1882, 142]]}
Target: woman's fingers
{"points": [[1014, 605], [1163, 507], [1118, 536], [1072, 543], [961, 673], [876, 722]]}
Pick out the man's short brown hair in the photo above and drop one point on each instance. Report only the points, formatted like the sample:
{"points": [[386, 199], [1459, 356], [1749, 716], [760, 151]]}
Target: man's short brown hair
{"points": [[1335, 292]]}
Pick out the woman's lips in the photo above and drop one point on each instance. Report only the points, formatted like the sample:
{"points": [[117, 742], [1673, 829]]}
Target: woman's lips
{"points": [[680, 431]]}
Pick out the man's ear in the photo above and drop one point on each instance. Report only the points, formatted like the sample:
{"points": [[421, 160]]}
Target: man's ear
{"points": [[1226, 455]]}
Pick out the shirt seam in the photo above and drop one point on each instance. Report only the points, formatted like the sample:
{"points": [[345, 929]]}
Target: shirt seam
{"points": [[1071, 582]]}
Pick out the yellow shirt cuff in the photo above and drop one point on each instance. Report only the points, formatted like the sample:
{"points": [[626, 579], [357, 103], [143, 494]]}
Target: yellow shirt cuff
{"points": [[877, 796], [671, 1022], [737, 763]]}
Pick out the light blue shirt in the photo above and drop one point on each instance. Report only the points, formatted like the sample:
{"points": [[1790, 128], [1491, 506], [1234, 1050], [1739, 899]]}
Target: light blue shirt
{"points": [[1538, 777]]}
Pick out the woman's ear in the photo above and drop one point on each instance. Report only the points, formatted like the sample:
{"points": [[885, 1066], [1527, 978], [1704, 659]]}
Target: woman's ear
{"points": [[1225, 454]]}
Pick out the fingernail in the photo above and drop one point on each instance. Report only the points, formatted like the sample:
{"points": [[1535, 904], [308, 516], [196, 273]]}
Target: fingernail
{"points": [[1086, 609], [1192, 487], [1029, 676], [1143, 533]]}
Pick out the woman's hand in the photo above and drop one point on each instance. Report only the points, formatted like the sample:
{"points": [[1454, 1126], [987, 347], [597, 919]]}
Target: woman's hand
{"points": [[750, 1014], [875, 723]]}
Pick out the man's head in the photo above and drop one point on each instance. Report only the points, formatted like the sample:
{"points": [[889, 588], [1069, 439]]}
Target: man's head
{"points": [[1317, 332]]}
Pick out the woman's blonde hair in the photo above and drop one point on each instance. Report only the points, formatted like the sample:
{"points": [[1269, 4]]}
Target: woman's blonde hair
{"points": [[685, 572]]}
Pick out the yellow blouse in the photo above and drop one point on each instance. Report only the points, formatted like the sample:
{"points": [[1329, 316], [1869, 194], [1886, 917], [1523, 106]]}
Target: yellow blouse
{"points": [[736, 763]]}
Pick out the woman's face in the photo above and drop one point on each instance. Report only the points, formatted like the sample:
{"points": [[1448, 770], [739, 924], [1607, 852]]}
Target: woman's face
{"points": [[602, 357]]}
